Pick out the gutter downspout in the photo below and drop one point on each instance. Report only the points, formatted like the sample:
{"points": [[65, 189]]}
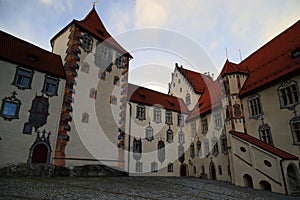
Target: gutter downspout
{"points": [[282, 172], [129, 136]]}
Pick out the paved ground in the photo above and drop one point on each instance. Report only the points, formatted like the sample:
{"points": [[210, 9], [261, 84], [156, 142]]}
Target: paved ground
{"points": [[126, 188]]}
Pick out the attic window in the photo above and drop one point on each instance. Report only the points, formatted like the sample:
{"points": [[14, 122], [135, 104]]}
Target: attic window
{"points": [[100, 32], [296, 53], [142, 96], [171, 103], [32, 57]]}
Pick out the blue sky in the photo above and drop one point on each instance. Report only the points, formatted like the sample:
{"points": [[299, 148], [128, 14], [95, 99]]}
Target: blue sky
{"points": [[213, 25]]}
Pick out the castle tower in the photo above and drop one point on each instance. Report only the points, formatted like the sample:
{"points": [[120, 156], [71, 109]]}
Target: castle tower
{"points": [[95, 94]]}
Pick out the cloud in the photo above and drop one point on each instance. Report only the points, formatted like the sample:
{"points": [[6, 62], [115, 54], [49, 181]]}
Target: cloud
{"points": [[58, 4]]}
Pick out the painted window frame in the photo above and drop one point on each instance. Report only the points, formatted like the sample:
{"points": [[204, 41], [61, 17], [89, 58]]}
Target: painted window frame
{"points": [[188, 99], [218, 120], [87, 43], [140, 112], [149, 133], [204, 125], [215, 143], [296, 135], [294, 94], [180, 120], [181, 137], [255, 106], [47, 83], [154, 167], [170, 167], [265, 134], [19, 75], [194, 128], [157, 115], [169, 119], [10, 100]]}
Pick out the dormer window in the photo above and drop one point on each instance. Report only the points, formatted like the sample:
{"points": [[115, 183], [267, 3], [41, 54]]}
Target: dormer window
{"points": [[23, 78], [32, 57], [87, 43], [296, 53]]}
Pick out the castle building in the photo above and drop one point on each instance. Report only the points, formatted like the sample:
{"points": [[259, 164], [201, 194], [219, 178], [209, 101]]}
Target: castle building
{"points": [[32, 82], [243, 127]]}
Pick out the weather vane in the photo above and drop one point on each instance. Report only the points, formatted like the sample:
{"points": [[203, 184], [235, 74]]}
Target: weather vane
{"points": [[94, 3]]}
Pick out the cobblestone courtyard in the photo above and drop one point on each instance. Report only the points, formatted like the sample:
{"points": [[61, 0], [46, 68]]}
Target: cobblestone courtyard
{"points": [[126, 188]]}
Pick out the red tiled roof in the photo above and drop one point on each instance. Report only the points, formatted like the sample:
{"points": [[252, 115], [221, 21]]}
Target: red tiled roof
{"points": [[197, 80], [211, 99], [273, 60], [93, 25], [232, 68], [276, 151], [150, 97], [18, 51]]}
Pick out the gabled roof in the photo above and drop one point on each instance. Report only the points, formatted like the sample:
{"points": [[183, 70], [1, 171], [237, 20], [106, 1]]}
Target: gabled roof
{"points": [[211, 99], [197, 80], [267, 147], [273, 60], [23, 53], [232, 68], [145, 96], [94, 26]]}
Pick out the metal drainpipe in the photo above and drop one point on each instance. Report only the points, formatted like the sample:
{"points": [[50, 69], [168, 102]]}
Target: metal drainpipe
{"points": [[129, 135], [282, 172]]}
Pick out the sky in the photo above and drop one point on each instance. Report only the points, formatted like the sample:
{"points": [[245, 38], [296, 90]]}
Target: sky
{"points": [[211, 30]]}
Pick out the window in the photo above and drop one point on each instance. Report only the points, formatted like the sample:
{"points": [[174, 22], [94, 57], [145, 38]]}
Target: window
{"points": [[140, 112], [120, 61], [188, 99], [113, 100], [149, 133], [206, 147], [180, 90], [138, 167], [192, 150], [87, 43], [93, 93], [193, 128], [296, 53], [215, 150], [85, 67], [104, 52], [195, 169], [224, 144], [295, 128], [255, 109], [27, 129], [10, 107], [23, 78], [137, 149], [157, 115], [50, 86], [181, 139], [102, 75], [204, 125], [227, 112], [181, 153], [170, 167], [178, 80], [265, 134], [169, 117], [218, 121], [154, 167], [85, 117], [116, 80], [180, 120], [39, 111], [289, 94], [169, 136], [237, 110], [199, 151], [220, 170], [161, 151]]}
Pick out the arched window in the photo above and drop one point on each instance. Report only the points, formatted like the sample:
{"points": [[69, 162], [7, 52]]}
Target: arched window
{"points": [[206, 147], [215, 149], [161, 151], [137, 149], [181, 153], [149, 133], [220, 170], [192, 150], [199, 151], [169, 136]]}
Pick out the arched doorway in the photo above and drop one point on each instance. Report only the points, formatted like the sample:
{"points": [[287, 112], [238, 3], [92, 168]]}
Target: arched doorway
{"points": [[183, 170], [212, 171], [293, 178], [265, 185], [39, 153], [248, 182]]}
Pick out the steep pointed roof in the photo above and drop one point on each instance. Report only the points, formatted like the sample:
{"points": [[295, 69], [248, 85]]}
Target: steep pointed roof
{"points": [[232, 68], [94, 26]]}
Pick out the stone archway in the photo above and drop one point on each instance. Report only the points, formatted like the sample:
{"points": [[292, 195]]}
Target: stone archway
{"points": [[293, 179], [265, 185], [248, 182], [212, 171], [183, 170]]}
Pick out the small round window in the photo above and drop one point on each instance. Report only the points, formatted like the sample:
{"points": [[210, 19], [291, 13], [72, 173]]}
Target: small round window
{"points": [[243, 149], [268, 163]]}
